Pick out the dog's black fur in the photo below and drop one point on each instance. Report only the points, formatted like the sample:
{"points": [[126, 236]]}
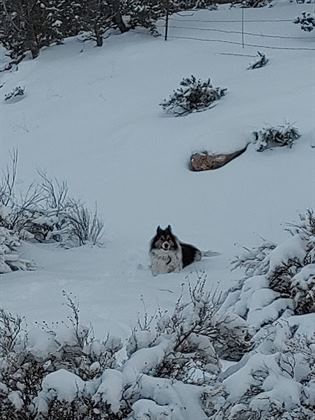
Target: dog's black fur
{"points": [[168, 254]]}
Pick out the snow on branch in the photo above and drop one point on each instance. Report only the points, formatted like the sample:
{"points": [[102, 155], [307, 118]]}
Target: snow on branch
{"points": [[167, 366], [261, 61], [270, 137], [275, 378], [44, 212], [306, 20], [192, 96]]}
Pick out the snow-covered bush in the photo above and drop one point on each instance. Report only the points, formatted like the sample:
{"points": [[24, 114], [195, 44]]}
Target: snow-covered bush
{"points": [[171, 366], [279, 279], [193, 96], [306, 20], [15, 94], [169, 360], [199, 333], [276, 299], [60, 218], [267, 385], [269, 137], [49, 384], [46, 212], [10, 260], [261, 61], [253, 261]]}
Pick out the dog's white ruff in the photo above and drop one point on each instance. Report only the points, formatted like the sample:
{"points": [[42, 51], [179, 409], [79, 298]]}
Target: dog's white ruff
{"points": [[166, 261]]}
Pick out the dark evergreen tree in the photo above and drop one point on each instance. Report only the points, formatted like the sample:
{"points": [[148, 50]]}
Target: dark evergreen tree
{"points": [[96, 18], [145, 13], [28, 25], [117, 11]]}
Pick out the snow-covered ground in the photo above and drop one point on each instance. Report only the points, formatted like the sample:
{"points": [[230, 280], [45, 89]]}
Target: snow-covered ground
{"points": [[91, 116]]}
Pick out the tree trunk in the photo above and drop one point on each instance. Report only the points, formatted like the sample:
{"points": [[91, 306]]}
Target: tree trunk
{"points": [[34, 50], [99, 40], [117, 18], [98, 35]]}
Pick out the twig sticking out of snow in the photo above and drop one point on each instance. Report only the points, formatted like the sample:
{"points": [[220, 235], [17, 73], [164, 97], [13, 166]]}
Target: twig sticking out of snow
{"points": [[16, 94], [260, 62]]}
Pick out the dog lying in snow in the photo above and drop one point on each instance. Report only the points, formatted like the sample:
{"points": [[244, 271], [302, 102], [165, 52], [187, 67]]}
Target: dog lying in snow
{"points": [[169, 255]]}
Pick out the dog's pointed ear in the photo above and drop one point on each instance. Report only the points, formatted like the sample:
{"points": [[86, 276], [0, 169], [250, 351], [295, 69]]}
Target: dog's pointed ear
{"points": [[158, 229], [169, 229]]}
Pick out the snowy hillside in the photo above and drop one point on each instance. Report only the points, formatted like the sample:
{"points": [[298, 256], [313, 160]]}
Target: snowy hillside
{"points": [[91, 116]]}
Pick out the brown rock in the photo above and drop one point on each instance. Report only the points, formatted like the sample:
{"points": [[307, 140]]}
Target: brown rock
{"points": [[204, 161]]}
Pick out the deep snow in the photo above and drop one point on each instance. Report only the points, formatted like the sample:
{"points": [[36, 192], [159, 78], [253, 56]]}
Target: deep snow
{"points": [[91, 117]]}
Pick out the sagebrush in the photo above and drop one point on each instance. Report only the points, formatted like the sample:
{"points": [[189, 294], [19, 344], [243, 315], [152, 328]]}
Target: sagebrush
{"points": [[193, 95]]}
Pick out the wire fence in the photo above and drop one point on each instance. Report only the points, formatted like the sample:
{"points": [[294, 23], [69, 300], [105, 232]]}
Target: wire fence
{"points": [[232, 21], [172, 25], [232, 32], [273, 47]]}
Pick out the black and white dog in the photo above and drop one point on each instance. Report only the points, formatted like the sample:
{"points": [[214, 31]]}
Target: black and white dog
{"points": [[169, 255]]}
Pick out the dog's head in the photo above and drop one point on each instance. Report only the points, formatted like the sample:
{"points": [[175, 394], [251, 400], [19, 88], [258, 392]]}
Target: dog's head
{"points": [[164, 239]]}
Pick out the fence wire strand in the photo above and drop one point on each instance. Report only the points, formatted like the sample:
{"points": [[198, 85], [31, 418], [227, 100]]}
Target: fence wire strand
{"points": [[273, 47]]}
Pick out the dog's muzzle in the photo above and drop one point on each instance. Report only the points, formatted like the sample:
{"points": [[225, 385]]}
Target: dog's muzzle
{"points": [[166, 246]]}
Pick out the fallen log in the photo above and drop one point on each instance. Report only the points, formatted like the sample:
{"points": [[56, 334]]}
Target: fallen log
{"points": [[204, 161]]}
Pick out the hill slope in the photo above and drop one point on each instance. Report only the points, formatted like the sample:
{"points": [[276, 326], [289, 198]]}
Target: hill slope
{"points": [[91, 116]]}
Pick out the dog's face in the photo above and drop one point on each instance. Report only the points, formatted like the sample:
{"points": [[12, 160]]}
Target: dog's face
{"points": [[164, 240]]}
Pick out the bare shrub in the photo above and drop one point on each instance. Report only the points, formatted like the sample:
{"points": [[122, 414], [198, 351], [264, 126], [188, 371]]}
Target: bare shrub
{"points": [[7, 182], [84, 225], [46, 212]]}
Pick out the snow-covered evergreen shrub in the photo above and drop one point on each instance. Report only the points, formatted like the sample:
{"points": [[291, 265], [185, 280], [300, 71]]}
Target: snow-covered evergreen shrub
{"points": [[261, 61], [15, 94], [269, 137], [306, 20], [193, 96]]}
